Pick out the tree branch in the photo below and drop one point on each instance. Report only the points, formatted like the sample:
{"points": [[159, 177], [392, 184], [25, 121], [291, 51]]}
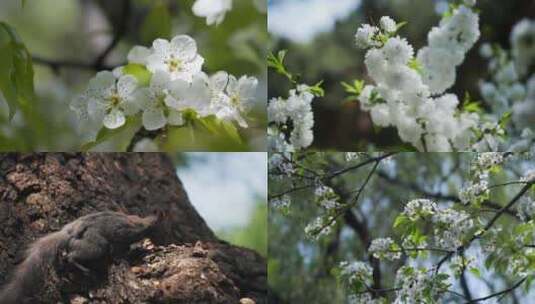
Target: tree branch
{"points": [[510, 289], [489, 224]]}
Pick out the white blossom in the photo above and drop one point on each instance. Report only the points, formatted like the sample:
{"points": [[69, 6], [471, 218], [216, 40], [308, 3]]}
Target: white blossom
{"points": [[385, 248], [420, 208], [523, 43], [388, 24], [416, 284], [156, 103], [296, 109], [177, 57], [355, 272], [110, 99], [213, 10], [364, 36]]}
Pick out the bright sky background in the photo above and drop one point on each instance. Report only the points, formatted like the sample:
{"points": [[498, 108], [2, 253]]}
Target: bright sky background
{"points": [[223, 187], [301, 20]]}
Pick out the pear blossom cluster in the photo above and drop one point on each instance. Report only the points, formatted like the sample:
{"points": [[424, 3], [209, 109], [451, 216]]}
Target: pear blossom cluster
{"points": [[291, 121], [512, 86], [281, 203], [321, 226], [417, 284], [280, 163], [213, 10], [177, 85], [477, 189], [526, 208], [451, 225], [351, 156], [529, 176], [326, 198], [407, 90], [420, 208], [356, 272], [385, 248]]}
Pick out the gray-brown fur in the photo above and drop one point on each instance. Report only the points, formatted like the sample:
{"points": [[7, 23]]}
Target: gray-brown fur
{"points": [[81, 242]]}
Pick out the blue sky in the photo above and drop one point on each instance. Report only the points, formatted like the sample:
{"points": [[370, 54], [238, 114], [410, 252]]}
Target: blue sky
{"points": [[302, 20], [223, 187]]}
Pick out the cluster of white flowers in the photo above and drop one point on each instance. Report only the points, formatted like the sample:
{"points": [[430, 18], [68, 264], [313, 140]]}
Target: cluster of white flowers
{"points": [[295, 111], [177, 84], [278, 162], [450, 226], [526, 208], [351, 156], [523, 44], [487, 160], [477, 189], [402, 96], [213, 10], [385, 248], [512, 86], [319, 227], [448, 44], [417, 284], [528, 177], [281, 203], [362, 298], [524, 111], [420, 208], [354, 272], [326, 198]]}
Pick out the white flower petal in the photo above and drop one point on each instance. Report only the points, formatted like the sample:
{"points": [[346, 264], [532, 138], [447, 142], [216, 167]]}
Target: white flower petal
{"points": [[153, 119], [114, 119], [247, 87], [160, 81], [219, 81], [184, 47], [138, 54], [160, 46], [102, 84], [126, 85]]}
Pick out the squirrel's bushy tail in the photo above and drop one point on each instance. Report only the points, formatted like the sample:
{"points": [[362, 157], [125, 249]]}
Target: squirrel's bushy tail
{"points": [[29, 276]]}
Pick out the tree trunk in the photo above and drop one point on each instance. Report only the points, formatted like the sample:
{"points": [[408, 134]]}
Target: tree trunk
{"points": [[183, 262]]}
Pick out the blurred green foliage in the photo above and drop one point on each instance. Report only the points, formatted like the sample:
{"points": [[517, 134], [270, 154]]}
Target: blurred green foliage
{"points": [[78, 31]]}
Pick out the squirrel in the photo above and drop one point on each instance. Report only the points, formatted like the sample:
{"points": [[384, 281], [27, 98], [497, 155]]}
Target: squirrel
{"points": [[85, 240]]}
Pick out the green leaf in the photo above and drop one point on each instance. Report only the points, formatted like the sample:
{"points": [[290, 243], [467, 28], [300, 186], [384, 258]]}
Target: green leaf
{"points": [[475, 271], [220, 128], [317, 90], [131, 126], [504, 120], [401, 220], [157, 24], [139, 71], [16, 70], [400, 25], [471, 106], [277, 63], [355, 88]]}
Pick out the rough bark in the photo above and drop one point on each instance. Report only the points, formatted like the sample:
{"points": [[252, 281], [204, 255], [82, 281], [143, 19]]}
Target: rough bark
{"points": [[183, 262]]}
